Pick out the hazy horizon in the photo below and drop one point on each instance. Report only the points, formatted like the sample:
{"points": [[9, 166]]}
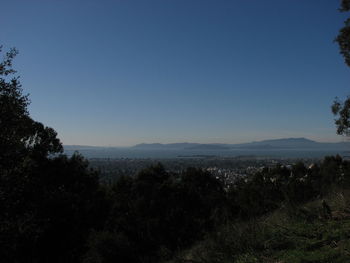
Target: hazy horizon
{"points": [[119, 73], [344, 139]]}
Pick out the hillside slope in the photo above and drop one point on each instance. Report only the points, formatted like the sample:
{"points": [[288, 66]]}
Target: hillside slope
{"points": [[305, 234]]}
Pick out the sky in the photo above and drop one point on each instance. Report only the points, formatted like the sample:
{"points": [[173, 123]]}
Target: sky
{"points": [[118, 73]]}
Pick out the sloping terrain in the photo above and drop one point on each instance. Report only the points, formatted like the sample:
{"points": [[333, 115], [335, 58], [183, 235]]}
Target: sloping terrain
{"points": [[317, 232]]}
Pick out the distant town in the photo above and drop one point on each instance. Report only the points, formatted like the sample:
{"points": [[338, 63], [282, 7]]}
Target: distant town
{"points": [[227, 170]]}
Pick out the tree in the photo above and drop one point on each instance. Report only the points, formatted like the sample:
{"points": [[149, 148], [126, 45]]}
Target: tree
{"points": [[343, 37], [341, 109], [48, 202], [20, 135]]}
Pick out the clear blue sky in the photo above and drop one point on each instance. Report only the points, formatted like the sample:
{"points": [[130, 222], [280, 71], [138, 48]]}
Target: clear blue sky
{"points": [[123, 72]]}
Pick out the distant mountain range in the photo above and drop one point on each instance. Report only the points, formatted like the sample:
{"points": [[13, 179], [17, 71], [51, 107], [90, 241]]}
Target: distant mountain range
{"points": [[288, 143], [295, 147], [181, 146]]}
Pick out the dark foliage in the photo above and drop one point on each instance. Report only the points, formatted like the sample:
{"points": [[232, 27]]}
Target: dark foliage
{"points": [[20, 135], [273, 188], [48, 204], [343, 37], [157, 213], [341, 109]]}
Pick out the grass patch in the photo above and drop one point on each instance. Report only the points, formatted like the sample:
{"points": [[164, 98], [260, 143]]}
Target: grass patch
{"points": [[281, 238]]}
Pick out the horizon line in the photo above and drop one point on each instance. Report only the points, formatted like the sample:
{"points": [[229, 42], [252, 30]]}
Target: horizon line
{"points": [[212, 143]]}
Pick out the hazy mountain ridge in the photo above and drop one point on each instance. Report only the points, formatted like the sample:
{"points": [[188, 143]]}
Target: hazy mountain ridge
{"points": [[297, 147], [286, 143], [181, 146]]}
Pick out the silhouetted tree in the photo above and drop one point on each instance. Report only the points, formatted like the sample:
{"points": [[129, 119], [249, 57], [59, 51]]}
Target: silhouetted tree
{"points": [[20, 135], [48, 203], [341, 109], [343, 37]]}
